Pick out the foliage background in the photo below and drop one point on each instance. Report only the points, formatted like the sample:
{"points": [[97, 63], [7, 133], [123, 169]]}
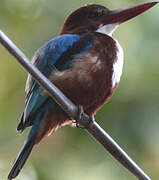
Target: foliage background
{"points": [[131, 117]]}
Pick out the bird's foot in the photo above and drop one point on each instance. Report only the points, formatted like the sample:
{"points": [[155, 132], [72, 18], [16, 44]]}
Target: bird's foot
{"points": [[78, 121]]}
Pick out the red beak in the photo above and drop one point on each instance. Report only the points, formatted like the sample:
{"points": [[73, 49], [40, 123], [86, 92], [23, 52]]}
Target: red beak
{"points": [[121, 15]]}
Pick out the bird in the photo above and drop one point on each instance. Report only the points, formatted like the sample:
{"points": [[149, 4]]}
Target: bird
{"points": [[84, 61]]}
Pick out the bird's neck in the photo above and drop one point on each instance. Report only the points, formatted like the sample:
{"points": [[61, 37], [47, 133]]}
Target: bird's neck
{"points": [[107, 29]]}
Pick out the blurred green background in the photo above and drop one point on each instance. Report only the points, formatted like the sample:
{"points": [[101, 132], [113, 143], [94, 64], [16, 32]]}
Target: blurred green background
{"points": [[131, 117]]}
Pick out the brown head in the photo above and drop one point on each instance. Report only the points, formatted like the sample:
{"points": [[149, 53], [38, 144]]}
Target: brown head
{"points": [[98, 18]]}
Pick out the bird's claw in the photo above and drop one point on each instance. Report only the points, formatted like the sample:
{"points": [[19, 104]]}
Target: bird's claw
{"points": [[79, 116]]}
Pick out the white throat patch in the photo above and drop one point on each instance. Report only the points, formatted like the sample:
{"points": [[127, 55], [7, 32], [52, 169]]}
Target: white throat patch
{"points": [[107, 29]]}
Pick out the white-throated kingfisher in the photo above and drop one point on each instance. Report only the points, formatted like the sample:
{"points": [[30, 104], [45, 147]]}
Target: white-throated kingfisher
{"points": [[84, 61]]}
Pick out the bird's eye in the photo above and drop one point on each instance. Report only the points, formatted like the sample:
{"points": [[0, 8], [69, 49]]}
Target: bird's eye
{"points": [[93, 15]]}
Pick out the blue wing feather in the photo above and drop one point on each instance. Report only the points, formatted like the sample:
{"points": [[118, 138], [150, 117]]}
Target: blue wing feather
{"points": [[51, 51], [47, 56]]}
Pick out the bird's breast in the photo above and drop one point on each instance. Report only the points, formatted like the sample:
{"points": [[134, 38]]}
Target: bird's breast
{"points": [[92, 76]]}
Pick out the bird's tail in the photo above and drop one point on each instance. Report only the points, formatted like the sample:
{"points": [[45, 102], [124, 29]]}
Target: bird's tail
{"points": [[27, 147], [21, 158]]}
